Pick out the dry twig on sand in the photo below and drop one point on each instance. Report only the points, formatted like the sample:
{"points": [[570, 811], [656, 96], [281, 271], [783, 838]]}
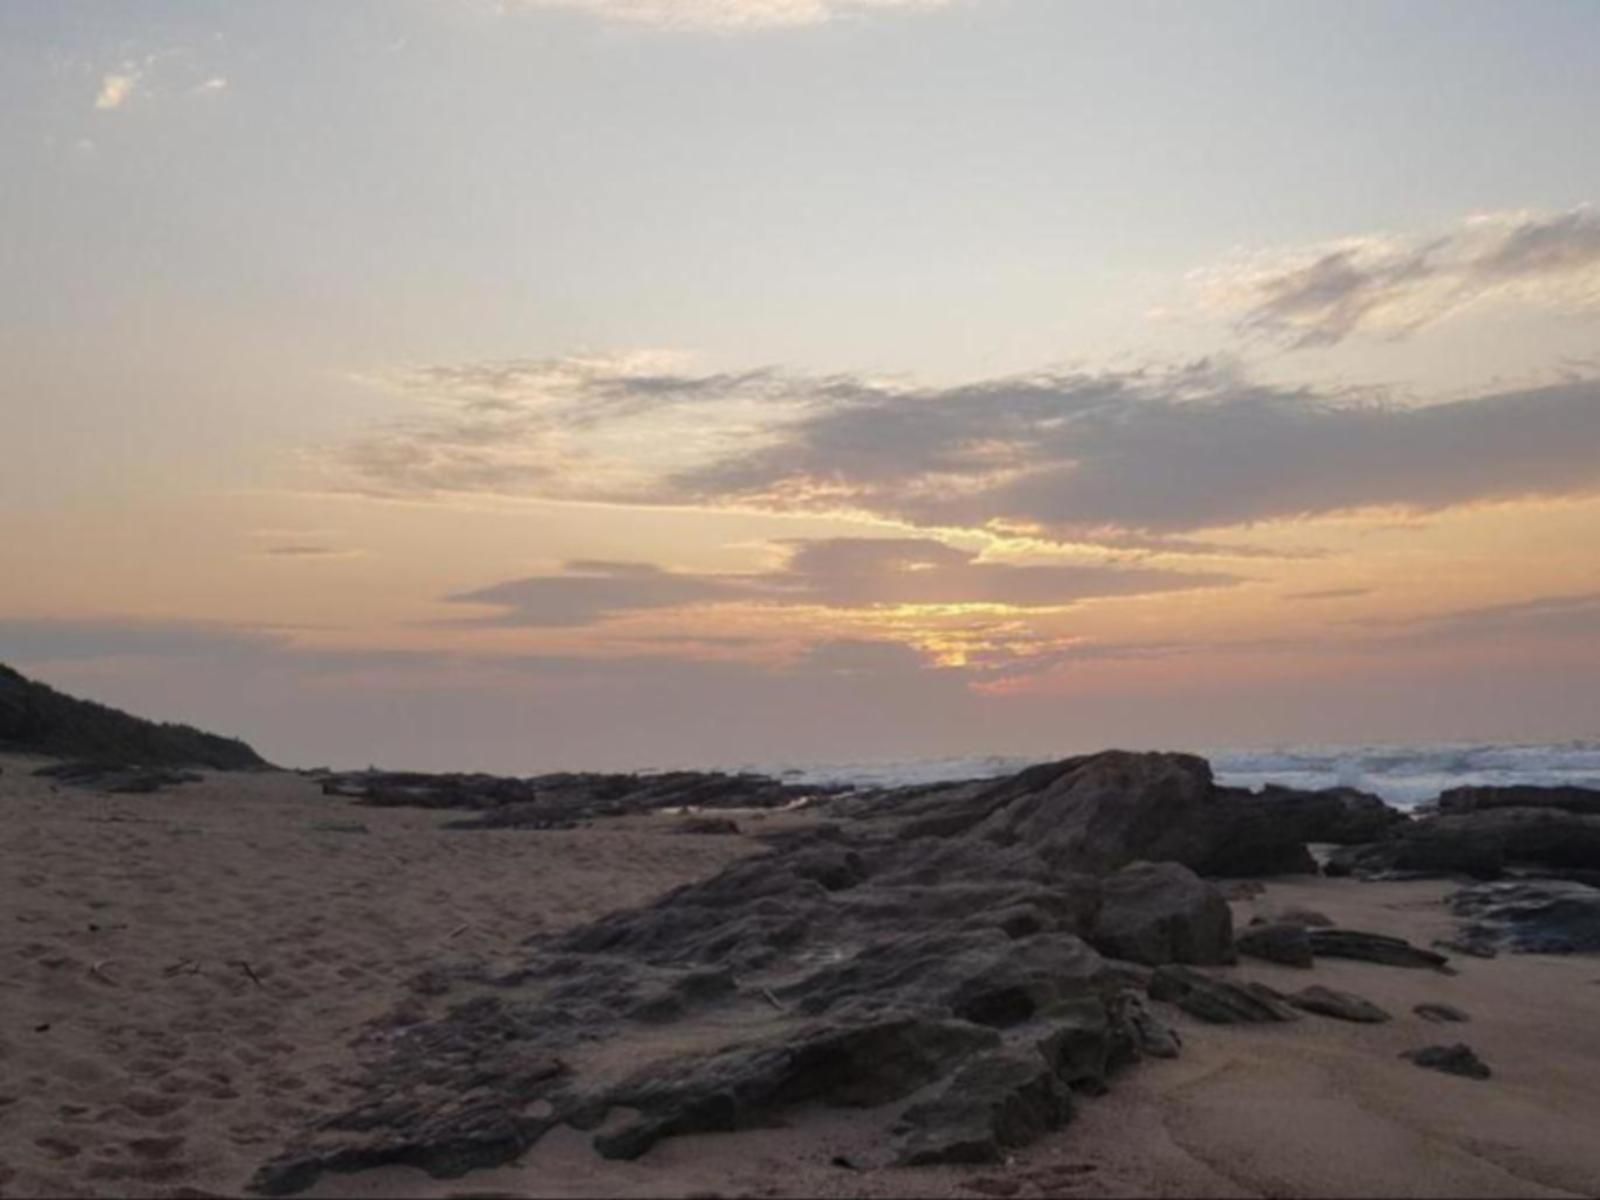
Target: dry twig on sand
{"points": [[248, 970]]}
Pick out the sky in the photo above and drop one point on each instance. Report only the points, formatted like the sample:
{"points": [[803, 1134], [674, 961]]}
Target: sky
{"points": [[521, 385]]}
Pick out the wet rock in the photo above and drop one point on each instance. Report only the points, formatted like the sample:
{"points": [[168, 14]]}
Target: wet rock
{"points": [[1156, 913], [1280, 943], [1329, 1002], [1457, 1059], [993, 1104], [1530, 916], [1372, 947], [1220, 1001], [1440, 1012]]}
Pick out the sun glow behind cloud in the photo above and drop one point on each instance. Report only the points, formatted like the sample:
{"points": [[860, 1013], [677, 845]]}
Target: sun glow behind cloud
{"points": [[728, 16]]}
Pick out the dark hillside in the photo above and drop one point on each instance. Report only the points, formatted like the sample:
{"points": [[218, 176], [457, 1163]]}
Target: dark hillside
{"points": [[36, 719]]}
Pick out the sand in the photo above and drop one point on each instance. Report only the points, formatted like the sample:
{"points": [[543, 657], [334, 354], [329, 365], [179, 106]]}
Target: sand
{"points": [[186, 972]]}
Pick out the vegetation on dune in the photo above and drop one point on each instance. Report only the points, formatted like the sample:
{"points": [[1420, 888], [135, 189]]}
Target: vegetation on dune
{"points": [[37, 719]]}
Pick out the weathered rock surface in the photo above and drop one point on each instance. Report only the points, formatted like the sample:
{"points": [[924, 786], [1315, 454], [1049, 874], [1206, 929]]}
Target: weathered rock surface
{"points": [[1342, 816], [1157, 913], [1457, 1059], [1372, 947], [1308, 917], [1220, 1001], [1530, 916], [1330, 1002], [993, 1104], [1284, 943]]}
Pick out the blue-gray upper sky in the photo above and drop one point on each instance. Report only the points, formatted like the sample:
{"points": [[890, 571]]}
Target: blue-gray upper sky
{"points": [[321, 323]]}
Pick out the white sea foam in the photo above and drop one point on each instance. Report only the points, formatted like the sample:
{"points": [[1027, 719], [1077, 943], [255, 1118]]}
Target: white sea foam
{"points": [[1403, 775]]}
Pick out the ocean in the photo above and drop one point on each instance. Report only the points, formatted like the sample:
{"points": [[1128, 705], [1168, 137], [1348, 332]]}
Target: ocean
{"points": [[1405, 776]]}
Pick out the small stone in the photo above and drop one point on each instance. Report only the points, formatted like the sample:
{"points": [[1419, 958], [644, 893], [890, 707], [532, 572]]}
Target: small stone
{"points": [[1440, 1012], [1329, 1002]]}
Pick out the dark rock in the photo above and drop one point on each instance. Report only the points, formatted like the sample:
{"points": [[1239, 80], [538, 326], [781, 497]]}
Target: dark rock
{"points": [[1329, 1002], [1481, 843], [117, 777], [1220, 1001], [1372, 947], [1440, 1012], [993, 1104], [1457, 1059], [1279, 943], [1150, 1036], [708, 825], [849, 1064], [1478, 799], [1531, 916], [1156, 913], [1341, 816], [1469, 945]]}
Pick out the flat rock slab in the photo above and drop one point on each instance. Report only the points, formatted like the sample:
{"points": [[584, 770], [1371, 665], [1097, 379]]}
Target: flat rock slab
{"points": [[1329, 1002], [1220, 1001], [1440, 1012], [1285, 943], [1373, 947], [1456, 1059]]}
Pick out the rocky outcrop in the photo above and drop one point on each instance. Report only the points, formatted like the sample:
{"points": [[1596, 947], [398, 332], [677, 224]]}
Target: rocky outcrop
{"points": [[1460, 800], [1530, 916], [561, 801], [1481, 843], [957, 968], [1330, 1002], [1341, 816], [1285, 943]]}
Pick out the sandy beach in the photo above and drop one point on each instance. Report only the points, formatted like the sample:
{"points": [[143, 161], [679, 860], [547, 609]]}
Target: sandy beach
{"points": [[187, 973]]}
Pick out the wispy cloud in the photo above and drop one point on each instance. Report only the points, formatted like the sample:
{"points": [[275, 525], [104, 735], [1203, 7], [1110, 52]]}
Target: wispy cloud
{"points": [[1390, 287], [728, 16], [116, 88], [1339, 593], [1137, 459], [837, 573]]}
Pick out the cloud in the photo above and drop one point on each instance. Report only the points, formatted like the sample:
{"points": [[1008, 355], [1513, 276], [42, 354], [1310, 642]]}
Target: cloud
{"points": [[1127, 460], [1573, 615], [1393, 286], [300, 550], [837, 573], [728, 16], [1340, 593], [116, 88]]}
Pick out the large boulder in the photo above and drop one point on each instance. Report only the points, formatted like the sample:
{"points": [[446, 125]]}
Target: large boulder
{"points": [[1341, 816], [1156, 913]]}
